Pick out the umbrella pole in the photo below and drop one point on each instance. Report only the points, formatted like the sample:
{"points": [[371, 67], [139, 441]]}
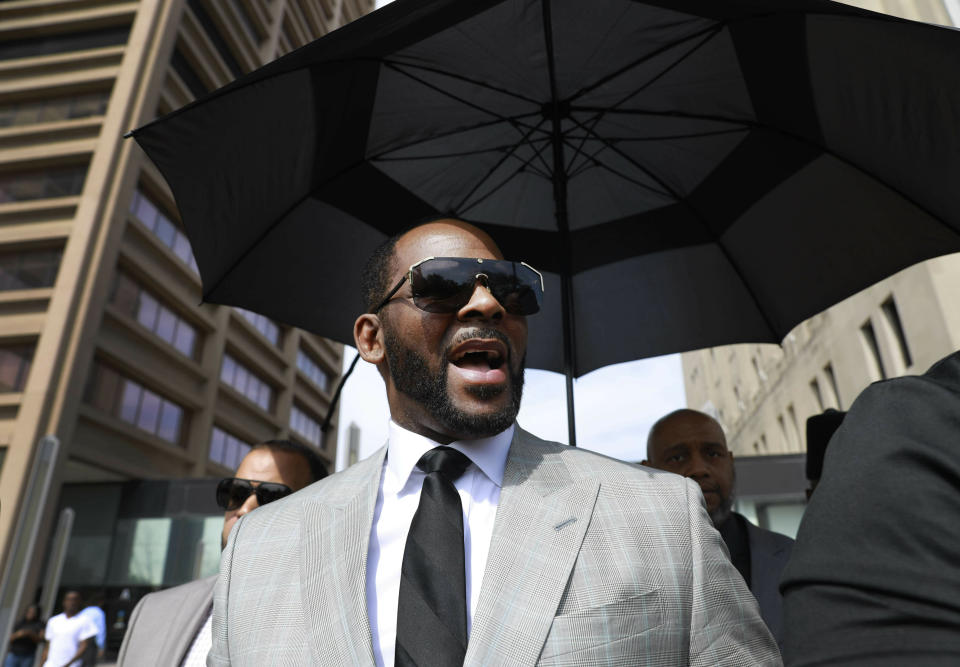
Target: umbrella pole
{"points": [[563, 224]]}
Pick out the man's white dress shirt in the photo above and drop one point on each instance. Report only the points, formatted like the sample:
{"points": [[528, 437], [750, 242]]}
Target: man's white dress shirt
{"points": [[397, 501]]}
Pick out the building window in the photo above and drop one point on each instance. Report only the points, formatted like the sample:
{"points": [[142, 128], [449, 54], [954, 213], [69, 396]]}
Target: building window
{"points": [[54, 109], [832, 379], [783, 432], [15, 363], [306, 426], [227, 450], [261, 323], [817, 394], [135, 404], [43, 45], [794, 427], [312, 370], [134, 300], [28, 269], [163, 228], [28, 185], [892, 315], [210, 28], [181, 65], [872, 348], [245, 381]]}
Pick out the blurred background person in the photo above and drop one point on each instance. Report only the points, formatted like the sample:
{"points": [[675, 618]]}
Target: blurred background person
{"points": [[172, 627], [692, 444], [96, 648], [68, 634], [27, 636]]}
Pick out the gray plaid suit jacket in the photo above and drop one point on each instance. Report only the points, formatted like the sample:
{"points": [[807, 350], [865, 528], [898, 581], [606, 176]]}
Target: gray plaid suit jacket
{"points": [[592, 562]]}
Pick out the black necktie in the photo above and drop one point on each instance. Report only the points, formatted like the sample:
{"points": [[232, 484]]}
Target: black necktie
{"points": [[432, 609]]}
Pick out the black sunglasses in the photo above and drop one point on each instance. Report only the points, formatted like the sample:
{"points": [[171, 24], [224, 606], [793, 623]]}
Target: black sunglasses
{"points": [[446, 284], [232, 492]]}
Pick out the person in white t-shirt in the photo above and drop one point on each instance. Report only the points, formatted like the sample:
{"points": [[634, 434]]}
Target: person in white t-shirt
{"points": [[68, 634]]}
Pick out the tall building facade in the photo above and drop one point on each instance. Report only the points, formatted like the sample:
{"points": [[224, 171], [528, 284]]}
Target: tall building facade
{"points": [[763, 394], [102, 342]]}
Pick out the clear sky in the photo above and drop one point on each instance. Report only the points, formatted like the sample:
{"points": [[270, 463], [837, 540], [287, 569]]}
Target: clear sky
{"points": [[615, 405]]}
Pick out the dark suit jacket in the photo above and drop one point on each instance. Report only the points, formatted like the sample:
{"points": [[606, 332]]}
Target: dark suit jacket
{"points": [[164, 624], [874, 577], [769, 552]]}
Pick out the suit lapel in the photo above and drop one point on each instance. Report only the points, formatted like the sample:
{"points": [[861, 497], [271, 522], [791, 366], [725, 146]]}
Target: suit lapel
{"points": [[541, 520], [333, 568], [197, 606]]}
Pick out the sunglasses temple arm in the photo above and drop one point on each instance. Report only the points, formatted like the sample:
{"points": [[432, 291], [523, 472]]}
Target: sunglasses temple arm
{"points": [[336, 395]]}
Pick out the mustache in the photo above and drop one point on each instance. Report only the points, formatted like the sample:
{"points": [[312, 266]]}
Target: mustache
{"points": [[479, 332]]}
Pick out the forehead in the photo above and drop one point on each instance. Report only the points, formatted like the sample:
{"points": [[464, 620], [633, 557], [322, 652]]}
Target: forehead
{"points": [[444, 238], [692, 431], [259, 465]]}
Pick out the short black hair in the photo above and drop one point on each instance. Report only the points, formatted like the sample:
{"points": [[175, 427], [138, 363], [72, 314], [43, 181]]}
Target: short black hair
{"points": [[375, 279], [318, 469]]}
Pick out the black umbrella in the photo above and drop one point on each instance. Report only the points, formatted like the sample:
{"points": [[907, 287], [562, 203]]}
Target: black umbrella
{"points": [[686, 173]]}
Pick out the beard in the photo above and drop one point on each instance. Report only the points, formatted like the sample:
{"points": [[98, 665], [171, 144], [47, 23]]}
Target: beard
{"points": [[412, 376]]}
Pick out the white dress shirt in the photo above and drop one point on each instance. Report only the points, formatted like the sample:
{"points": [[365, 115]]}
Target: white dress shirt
{"points": [[197, 655], [397, 501]]}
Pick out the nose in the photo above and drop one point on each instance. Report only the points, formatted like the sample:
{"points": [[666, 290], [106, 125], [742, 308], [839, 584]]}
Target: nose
{"points": [[482, 304], [698, 468], [248, 505]]}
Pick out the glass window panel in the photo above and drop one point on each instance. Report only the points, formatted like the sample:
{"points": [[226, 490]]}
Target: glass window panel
{"points": [[230, 453], [12, 372], [263, 400], [146, 211], [130, 401], [148, 551], [240, 379], [125, 293], [181, 248], [166, 324], [186, 335], [147, 313], [228, 369], [169, 428], [149, 411], [165, 231], [216, 445]]}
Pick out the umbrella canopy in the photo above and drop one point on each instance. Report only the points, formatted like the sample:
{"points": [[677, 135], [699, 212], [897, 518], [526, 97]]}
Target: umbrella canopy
{"points": [[686, 173]]}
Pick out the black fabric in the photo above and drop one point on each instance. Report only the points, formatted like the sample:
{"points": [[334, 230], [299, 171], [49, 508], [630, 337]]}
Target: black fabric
{"points": [[805, 149], [735, 536], [432, 608], [873, 578], [25, 645]]}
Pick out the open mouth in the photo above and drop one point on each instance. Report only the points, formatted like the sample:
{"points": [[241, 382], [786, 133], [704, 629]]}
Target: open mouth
{"points": [[480, 360]]}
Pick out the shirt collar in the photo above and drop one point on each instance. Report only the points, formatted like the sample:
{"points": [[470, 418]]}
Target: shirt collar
{"points": [[405, 448]]}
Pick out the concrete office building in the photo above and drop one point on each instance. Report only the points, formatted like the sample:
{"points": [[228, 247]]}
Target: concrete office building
{"points": [[762, 394], [102, 341]]}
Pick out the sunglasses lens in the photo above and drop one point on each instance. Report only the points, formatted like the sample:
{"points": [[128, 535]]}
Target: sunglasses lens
{"points": [[442, 285], [445, 284], [232, 493], [268, 492]]}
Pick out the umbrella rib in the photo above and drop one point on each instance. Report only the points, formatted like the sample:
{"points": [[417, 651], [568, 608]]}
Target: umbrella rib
{"points": [[707, 33], [752, 124], [440, 156], [513, 121], [666, 137], [459, 77], [523, 165], [496, 166], [448, 94], [696, 214]]}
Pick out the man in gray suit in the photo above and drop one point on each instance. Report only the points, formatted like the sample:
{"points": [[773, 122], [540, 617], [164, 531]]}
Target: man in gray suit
{"points": [[172, 627], [568, 557], [692, 444]]}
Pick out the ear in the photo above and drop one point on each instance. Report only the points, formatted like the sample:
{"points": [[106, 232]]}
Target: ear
{"points": [[367, 335]]}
